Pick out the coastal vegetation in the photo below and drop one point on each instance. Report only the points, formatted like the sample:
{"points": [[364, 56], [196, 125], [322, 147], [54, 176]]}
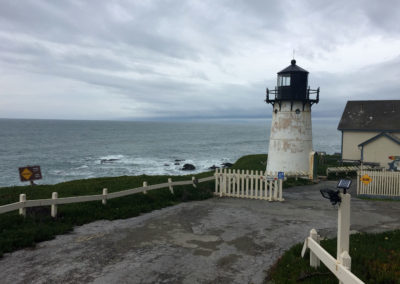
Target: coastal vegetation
{"points": [[375, 258], [18, 232]]}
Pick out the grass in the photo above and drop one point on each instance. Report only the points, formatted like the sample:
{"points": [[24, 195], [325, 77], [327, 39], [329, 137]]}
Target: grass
{"points": [[375, 259], [252, 162], [17, 232]]}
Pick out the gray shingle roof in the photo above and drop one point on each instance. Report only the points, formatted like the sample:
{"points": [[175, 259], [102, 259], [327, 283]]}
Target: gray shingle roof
{"points": [[371, 116]]}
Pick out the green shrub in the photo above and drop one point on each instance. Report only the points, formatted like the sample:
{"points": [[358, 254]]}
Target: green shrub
{"points": [[375, 258]]}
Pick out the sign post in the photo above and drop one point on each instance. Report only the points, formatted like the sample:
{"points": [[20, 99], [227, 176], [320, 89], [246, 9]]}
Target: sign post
{"points": [[30, 173]]}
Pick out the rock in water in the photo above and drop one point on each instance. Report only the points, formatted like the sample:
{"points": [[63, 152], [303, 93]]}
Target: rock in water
{"points": [[188, 167], [213, 167], [103, 161], [227, 165]]}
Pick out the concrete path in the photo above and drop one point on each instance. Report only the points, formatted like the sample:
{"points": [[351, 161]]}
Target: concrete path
{"points": [[223, 240]]}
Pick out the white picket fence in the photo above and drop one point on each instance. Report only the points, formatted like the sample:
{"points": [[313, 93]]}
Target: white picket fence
{"points": [[54, 201], [383, 183], [247, 184], [341, 266]]}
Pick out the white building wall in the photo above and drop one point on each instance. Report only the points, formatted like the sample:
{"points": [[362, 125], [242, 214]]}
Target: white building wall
{"points": [[351, 140], [378, 151], [290, 141]]}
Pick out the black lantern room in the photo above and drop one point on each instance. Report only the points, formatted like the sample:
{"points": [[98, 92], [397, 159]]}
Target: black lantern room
{"points": [[292, 86]]}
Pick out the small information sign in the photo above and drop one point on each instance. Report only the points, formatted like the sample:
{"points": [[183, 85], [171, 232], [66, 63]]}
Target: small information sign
{"points": [[366, 179], [281, 175], [30, 173]]}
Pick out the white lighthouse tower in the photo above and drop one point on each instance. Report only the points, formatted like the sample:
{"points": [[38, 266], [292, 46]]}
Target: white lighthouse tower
{"points": [[290, 143]]}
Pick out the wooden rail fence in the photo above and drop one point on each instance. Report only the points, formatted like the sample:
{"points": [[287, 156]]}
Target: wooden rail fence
{"points": [[347, 169], [382, 183], [247, 184], [54, 201]]}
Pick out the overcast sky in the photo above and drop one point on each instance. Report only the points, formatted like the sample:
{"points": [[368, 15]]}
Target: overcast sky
{"points": [[186, 59]]}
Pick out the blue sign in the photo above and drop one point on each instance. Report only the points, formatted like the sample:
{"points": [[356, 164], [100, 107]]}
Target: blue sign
{"points": [[281, 175]]}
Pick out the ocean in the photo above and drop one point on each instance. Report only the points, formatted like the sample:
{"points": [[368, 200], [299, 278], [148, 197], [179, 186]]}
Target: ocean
{"points": [[70, 149]]}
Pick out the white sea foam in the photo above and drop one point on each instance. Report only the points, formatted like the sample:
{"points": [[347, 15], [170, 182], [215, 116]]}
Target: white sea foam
{"points": [[137, 148]]}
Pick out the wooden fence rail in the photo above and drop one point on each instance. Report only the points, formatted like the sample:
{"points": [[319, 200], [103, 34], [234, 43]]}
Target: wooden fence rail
{"points": [[381, 183], [348, 169], [54, 201], [247, 184]]}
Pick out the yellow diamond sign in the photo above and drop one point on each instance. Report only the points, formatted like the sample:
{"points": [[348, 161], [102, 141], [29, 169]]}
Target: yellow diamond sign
{"points": [[26, 174], [366, 179]]}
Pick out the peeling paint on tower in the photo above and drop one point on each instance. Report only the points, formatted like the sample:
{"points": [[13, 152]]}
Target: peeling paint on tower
{"points": [[290, 141]]}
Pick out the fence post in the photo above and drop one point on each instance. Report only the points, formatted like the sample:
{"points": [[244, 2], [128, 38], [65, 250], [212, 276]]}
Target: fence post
{"points": [[216, 181], [22, 199], [145, 185], [280, 197], [276, 189], [221, 182], [54, 196], [314, 260], [170, 185], [345, 260], [105, 192], [271, 186], [343, 225], [194, 182], [224, 182]]}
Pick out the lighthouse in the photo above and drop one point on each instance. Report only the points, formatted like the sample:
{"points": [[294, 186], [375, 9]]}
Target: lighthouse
{"points": [[290, 143]]}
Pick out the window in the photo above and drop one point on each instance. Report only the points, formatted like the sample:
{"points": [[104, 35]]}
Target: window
{"points": [[283, 80]]}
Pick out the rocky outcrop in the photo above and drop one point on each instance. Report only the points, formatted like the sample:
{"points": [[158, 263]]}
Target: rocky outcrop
{"points": [[213, 167], [227, 165], [188, 167]]}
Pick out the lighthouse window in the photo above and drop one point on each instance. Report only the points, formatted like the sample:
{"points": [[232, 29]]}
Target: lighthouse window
{"points": [[283, 80]]}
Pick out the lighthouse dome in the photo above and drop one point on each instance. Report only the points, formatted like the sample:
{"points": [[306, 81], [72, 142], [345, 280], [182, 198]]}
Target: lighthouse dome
{"points": [[292, 83]]}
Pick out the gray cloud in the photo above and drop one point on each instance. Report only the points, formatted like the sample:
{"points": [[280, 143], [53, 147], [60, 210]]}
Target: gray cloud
{"points": [[144, 59]]}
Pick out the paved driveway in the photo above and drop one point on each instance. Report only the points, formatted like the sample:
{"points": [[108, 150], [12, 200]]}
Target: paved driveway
{"points": [[220, 240]]}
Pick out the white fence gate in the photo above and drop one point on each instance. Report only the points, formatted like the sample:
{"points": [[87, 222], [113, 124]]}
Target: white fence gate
{"points": [[382, 183], [247, 184]]}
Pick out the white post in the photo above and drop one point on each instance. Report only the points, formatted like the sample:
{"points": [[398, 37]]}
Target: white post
{"points": [[345, 260], [276, 189], [224, 182], [54, 196], [145, 185], [314, 260], [170, 185], [104, 200], [343, 226], [270, 183], [194, 182], [280, 198], [221, 182], [22, 199]]}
